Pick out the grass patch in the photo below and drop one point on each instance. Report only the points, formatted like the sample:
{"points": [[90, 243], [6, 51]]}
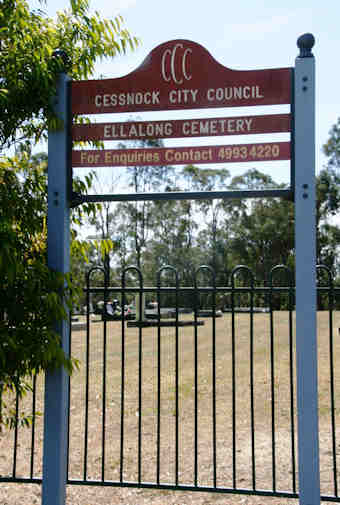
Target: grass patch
{"points": [[242, 358]]}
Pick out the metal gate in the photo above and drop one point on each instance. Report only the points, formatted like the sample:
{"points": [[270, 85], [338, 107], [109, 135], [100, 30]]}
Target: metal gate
{"points": [[199, 393], [176, 404]]}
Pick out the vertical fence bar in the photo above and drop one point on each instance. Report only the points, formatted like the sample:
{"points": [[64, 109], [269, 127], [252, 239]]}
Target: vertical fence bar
{"points": [[87, 374], [197, 297], [177, 383], [140, 380], [214, 415], [305, 251], [34, 397], [159, 384], [15, 448], [69, 409], [122, 372], [176, 349], [272, 388], [330, 292], [233, 375], [122, 390], [251, 381], [56, 385], [106, 285], [332, 387], [291, 379]]}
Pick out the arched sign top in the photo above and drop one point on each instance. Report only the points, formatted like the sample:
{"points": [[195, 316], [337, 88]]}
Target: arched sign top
{"points": [[181, 74]]}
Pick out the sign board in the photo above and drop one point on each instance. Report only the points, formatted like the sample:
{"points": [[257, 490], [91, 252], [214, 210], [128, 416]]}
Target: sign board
{"points": [[176, 75], [181, 74], [133, 130], [181, 155]]}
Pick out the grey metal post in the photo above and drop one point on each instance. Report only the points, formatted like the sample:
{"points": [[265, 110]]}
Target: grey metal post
{"points": [[56, 383], [305, 251]]}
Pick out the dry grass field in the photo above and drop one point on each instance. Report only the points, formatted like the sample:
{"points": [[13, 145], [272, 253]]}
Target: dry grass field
{"points": [[144, 420]]}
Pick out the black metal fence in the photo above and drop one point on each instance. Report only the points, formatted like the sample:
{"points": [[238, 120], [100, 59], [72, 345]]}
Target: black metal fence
{"points": [[195, 393], [21, 446]]}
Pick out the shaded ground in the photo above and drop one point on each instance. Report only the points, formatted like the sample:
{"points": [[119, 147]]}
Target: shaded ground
{"points": [[269, 460]]}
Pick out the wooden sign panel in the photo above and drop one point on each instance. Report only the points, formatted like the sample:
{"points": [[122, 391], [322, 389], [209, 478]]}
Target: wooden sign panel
{"points": [[181, 74], [182, 155], [131, 130]]}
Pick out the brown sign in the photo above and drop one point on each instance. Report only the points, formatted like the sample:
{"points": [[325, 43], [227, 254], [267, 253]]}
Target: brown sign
{"points": [[182, 155], [181, 74], [130, 130]]}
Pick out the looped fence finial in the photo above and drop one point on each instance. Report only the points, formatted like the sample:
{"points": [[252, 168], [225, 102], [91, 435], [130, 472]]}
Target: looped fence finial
{"points": [[167, 268], [305, 43]]}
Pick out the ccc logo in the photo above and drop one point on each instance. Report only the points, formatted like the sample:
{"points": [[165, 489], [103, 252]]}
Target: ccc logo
{"points": [[169, 66]]}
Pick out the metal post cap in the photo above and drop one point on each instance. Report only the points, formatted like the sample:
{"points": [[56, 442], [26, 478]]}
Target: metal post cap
{"points": [[305, 43]]}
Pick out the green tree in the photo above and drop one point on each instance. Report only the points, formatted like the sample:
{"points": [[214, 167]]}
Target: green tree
{"points": [[332, 147], [327, 207], [328, 203], [139, 214], [102, 240], [210, 232], [261, 231], [29, 65], [32, 296], [173, 239]]}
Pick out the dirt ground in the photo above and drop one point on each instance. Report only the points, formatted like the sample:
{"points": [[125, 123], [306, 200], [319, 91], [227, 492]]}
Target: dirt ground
{"points": [[154, 364]]}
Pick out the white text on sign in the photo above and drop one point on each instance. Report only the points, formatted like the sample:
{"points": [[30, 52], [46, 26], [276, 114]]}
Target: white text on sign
{"points": [[182, 155], [179, 96]]}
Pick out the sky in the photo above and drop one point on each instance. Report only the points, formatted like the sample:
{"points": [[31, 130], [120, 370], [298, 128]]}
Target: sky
{"points": [[243, 35]]}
